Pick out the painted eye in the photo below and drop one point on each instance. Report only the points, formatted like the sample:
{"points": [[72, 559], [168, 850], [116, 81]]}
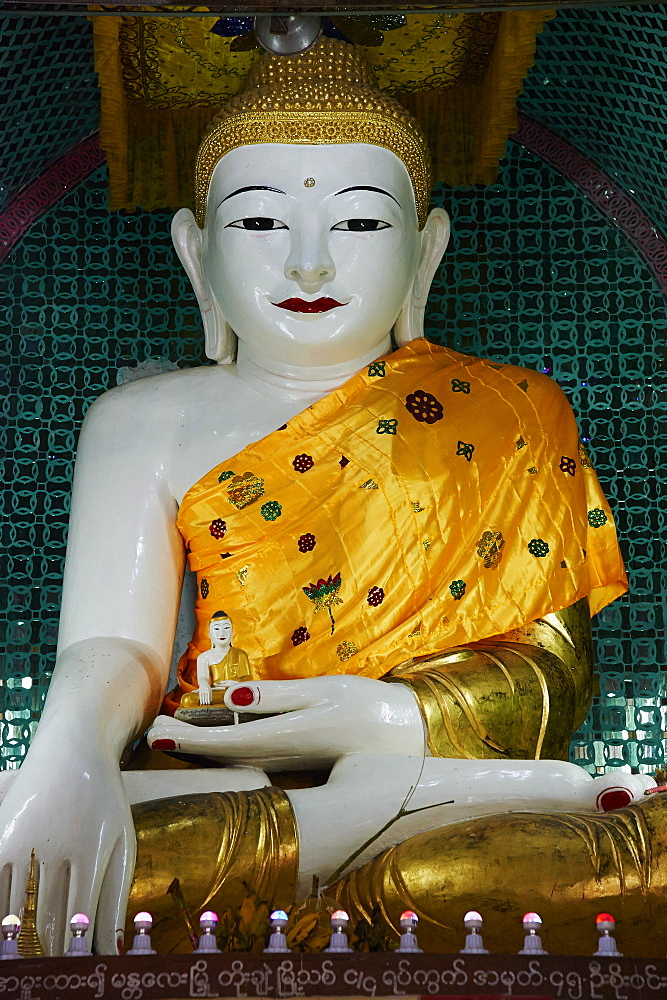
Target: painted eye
{"points": [[257, 224], [362, 226]]}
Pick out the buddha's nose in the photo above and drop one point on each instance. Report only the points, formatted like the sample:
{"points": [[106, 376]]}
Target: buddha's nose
{"points": [[309, 262]]}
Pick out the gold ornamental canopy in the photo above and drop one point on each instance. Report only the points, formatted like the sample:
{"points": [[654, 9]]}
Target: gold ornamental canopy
{"points": [[164, 80]]}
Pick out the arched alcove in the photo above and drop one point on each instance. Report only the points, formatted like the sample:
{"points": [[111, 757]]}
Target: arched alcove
{"points": [[536, 276]]}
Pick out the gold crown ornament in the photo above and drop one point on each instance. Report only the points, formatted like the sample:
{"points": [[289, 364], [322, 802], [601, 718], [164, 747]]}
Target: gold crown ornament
{"points": [[326, 95]]}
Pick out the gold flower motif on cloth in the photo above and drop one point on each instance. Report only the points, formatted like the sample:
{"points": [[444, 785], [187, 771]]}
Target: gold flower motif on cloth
{"points": [[244, 490], [345, 650], [490, 548]]}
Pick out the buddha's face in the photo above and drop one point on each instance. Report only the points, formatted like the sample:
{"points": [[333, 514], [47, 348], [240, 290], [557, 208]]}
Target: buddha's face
{"points": [[220, 631], [310, 250]]}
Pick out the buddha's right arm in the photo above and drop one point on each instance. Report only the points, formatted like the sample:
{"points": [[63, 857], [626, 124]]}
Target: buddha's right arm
{"points": [[121, 591], [123, 570], [520, 695]]}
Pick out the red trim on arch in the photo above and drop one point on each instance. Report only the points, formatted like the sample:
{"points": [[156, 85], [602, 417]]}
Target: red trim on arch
{"points": [[83, 159], [47, 190], [601, 189]]}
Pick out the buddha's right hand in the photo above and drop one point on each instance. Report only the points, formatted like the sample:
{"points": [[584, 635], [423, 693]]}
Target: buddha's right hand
{"points": [[68, 802], [205, 693]]}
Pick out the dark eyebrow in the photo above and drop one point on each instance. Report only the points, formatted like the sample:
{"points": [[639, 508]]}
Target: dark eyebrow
{"points": [[367, 187], [252, 187]]}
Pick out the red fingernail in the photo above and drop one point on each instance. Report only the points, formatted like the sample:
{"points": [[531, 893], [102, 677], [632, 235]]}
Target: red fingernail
{"points": [[163, 745], [613, 798], [241, 696], [120, 945]]}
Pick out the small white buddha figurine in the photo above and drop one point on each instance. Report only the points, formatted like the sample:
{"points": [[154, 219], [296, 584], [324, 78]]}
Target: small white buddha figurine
{"points": [[407, 541], [217, 668]]}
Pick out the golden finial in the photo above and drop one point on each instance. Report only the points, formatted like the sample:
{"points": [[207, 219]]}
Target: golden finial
{"points": [[29, 944]]}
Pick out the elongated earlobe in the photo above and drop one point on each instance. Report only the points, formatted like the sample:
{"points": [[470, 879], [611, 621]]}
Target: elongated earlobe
{"points": [[187, 238], [435, 237]]}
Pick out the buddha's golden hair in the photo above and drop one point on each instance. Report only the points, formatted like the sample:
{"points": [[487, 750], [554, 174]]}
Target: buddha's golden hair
{"points": [[327, 95]]}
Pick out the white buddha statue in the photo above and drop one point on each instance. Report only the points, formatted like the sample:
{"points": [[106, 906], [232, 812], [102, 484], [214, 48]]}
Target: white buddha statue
{"points": [[217, 667], [439, 534]]}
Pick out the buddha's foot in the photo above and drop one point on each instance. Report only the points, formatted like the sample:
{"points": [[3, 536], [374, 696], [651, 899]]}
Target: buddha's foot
{"points": [[614, 791]]}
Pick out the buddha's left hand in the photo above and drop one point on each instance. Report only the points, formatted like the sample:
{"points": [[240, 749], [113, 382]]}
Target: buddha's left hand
{"points": [[322, 719]]}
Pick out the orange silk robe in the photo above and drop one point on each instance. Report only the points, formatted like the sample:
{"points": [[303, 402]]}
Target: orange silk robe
{"points": [[433, 500]]}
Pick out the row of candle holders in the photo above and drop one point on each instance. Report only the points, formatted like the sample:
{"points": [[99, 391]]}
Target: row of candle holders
{"points": [[338, 942]]}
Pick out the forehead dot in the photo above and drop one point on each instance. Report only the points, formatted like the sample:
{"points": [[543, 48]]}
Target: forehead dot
{"points": [[309, 182]]}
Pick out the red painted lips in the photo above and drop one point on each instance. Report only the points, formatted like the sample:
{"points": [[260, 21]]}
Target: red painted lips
{"points": [[320, 305]]}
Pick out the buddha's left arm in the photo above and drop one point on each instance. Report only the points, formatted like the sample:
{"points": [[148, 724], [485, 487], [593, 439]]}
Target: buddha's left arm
{"points": [[520, 695]]}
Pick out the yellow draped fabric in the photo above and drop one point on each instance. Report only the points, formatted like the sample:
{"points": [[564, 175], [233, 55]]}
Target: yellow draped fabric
{"points": [[433, 500], [162, 79]]}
